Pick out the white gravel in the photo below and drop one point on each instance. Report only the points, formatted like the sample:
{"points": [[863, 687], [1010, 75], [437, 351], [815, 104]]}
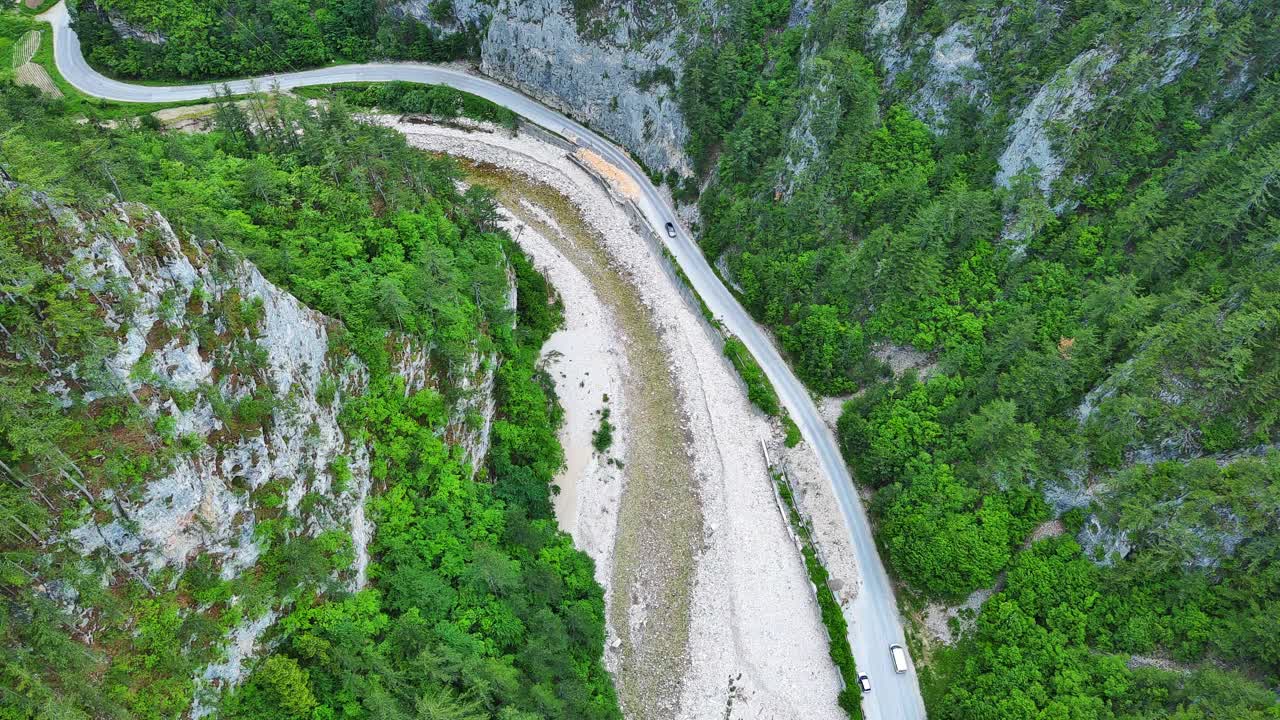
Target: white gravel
{"points": [[584, 360], [817, 503], [756, 646]]}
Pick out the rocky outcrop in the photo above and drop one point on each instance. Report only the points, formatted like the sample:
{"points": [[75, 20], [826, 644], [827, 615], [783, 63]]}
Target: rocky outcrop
{"points": [[1063, 100], [882, 37], [620, 80], [238, 389], [952, 70], [185, 357], [127, 30], [953, 73], [1051, 116]]}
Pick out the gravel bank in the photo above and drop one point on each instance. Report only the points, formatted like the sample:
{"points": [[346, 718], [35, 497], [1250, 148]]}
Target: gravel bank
{"points": [[755, 647]]}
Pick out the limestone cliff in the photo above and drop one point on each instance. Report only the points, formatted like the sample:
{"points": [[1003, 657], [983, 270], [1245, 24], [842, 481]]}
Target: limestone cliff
{"points": [[616, 69], [233, 443]]}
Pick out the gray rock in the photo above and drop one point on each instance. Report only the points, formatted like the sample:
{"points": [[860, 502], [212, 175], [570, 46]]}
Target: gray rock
{"points": [[125, 29], [207, 502], [1102, 544], [605, 81], [953, 73], [1061, 101]]}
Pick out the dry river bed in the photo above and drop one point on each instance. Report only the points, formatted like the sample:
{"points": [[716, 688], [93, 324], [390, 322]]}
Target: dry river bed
{"points": [[710, 612]]}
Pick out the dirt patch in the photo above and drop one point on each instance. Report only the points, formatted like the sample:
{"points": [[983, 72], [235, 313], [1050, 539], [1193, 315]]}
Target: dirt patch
{"points": [[620, 180], [942, 621], [1048, 529], [816, 500], [900, 359], [35, 76]]}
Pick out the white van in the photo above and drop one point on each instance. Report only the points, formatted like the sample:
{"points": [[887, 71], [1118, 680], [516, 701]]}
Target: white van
{"points": [[899, 656]]}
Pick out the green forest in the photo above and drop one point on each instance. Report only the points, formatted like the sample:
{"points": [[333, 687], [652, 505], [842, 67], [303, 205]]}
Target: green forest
{"points": [[1118, 348], [476, 606], [1100, 344], [231, 38]]}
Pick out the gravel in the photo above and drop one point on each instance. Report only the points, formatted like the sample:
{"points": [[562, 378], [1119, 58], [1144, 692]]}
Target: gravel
{"points": [[755, 645]]}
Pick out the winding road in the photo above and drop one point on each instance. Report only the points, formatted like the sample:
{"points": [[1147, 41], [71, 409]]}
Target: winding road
{"points": [[876, 623]]}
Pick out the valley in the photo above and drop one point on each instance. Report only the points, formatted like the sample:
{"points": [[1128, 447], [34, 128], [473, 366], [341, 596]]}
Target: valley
{"points": [[540, 285]]}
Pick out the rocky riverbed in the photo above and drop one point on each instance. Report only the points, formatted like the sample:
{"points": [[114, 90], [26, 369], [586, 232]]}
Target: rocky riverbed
{"points": [[709, 605]]}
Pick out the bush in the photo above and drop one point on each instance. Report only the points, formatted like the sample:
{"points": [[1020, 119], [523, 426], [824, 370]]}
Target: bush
{"points": [[759, 390], [602, 437]]}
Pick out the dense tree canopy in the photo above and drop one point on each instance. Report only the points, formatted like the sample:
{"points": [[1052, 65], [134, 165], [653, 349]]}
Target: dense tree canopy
{"points": [[477, 605], [1083, 345], [192, 39]]}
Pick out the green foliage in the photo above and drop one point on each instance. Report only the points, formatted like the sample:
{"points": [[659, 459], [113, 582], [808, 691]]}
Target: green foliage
{"points": [[793, 437], [403, 97], [602, 437], [236, 39], [759, 390], [944, 537], [850, 699], [1030, 655], [477, 605], [473, 599], [289, 685], [718, 76], [1129, 316]]}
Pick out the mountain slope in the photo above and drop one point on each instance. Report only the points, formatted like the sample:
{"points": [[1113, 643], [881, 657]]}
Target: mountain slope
{"points": [[218, 498]]}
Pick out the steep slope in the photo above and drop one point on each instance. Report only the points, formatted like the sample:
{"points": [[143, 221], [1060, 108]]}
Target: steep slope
{"points": [[613, 65], [214, 399], [1066, 212], [218, 498]]}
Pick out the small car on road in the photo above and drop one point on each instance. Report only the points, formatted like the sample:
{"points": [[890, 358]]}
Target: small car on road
{"points": [[864, 682], [671, 230], [899, 656]]}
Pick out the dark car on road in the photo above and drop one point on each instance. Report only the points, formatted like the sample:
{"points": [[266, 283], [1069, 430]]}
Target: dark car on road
{"points": [[671, 230]]}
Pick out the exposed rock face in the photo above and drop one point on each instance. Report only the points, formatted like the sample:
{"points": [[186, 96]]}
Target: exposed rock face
{"points": [[205, 502], [928, 73], [817, 124], [132, 32], [954, 72], [1069, 95], [612, 82], [1103, 544], [201, 339], [883, 36]]}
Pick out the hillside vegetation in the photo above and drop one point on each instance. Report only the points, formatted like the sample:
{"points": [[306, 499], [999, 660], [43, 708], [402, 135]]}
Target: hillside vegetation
{"points": [[188, 39], [1101, 309], [475, 605]]}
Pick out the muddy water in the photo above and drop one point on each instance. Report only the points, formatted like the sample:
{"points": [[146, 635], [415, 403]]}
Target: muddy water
{"points": [[659, 521]]}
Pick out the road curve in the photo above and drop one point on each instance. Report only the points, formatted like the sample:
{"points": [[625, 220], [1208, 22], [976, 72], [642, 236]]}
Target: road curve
{"points": [[876, 621]]}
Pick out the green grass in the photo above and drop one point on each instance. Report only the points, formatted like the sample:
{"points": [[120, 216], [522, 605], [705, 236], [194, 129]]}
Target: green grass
{"points": [[12, 27], [793, 431]]}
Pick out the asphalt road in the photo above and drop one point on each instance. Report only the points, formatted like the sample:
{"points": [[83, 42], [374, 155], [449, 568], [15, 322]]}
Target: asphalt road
{"points": [[876, 622]]}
